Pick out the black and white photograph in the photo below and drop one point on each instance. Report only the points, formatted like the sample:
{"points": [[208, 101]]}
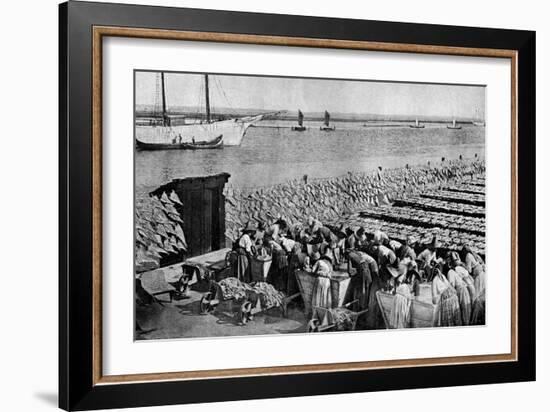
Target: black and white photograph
{"points": [[280, 205]]}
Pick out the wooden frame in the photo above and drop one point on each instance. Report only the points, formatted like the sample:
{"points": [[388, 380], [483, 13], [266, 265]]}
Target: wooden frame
{"points": [[82, 27]]}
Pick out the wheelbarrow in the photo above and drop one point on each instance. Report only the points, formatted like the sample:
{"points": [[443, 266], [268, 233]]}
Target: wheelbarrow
{"points": [[324, 320]]}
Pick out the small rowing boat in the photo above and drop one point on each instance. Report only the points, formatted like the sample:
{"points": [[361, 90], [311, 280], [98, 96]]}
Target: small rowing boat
{"points": [[416, 125], [454, 126], [216, 143]]}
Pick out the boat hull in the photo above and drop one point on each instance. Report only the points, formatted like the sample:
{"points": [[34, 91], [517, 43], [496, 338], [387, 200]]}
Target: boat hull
{"points": [[233, 131], [216, 143], [298, 128], [327, 128], [412, 126], [454, 127]]}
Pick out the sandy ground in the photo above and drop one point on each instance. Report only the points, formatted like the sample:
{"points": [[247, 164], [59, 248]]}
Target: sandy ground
{"points": [[181, 319]]}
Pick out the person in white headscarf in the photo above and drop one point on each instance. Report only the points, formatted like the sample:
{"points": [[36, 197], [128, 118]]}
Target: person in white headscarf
{"points": [[322, 269], [400, 315], [446, 300], [457, 281]]}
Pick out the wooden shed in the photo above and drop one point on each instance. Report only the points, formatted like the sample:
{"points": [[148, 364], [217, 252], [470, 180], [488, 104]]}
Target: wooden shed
{"points": [[202, 212]]}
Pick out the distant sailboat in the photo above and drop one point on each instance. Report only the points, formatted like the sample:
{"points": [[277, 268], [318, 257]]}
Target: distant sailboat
{"points": [[417, 125], [326, 124], [477, 122], [300, 127], [454, 125], [189, 136]]}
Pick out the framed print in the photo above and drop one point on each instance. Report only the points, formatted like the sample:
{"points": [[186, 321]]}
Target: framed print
{"points": [[257, 205]]}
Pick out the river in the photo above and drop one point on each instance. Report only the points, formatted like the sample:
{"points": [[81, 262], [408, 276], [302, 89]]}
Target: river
{"points": [[272, 153]]}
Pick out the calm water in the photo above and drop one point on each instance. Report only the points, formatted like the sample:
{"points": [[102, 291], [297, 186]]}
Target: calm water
{"points": [[274, 155]]}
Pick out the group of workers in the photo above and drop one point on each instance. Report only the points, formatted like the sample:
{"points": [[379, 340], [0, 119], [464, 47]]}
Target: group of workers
{"points": [[375, 262]]}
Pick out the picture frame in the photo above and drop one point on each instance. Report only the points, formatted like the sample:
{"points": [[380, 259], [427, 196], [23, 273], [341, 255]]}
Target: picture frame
{"points": [[82, 28]]}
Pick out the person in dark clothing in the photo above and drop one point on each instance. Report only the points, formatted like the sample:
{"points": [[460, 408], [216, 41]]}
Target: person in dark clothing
{"points": [[296, 262], [244, 248], [356, 240], [328, 240], [406, 250], [362, 279]]}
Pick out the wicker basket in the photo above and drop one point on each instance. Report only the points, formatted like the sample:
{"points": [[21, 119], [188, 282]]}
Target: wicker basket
{"points": [[259, 268]]}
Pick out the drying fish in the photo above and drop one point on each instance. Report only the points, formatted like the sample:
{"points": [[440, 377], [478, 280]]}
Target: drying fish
{"points": [[164, 198], [175, 198]]}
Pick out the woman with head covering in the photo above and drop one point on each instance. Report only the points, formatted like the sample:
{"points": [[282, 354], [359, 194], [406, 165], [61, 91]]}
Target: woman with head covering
{"points": [[466, 277], [259, 235], [456, 281], [400, 315], [278, 271], [311, 260], [407, 250], [478, 309], [244, 251], [381, 238], [428, 258], [321, 288], [361, 281], [386, 259], [446, 300], [298, 260], [472, 261], [277, 229], [475, 265], [355, 240]]}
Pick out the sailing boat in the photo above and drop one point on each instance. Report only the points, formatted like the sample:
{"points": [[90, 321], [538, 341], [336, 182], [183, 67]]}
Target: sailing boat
{"points": [[204, 135], [300, 127], [454, 125], [478, 116], [417, 125], [326, 127]]}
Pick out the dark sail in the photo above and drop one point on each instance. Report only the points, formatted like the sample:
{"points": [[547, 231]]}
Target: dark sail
{"points": [[207, 97], [300, 118], [327, 118]]}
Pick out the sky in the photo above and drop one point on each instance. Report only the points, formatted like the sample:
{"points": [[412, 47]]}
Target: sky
{"points": [[313, 95]]}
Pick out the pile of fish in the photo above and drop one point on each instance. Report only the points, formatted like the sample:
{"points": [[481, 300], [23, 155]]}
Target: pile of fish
{"points": [[477, 182], [330, 199], [433, 205], [269, 296], [158, 230], [426, 219], [450, 239], [233, 288], [343, 319], [465, 188], [456, 197]]}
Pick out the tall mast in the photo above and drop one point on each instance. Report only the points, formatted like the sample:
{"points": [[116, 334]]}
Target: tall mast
{"points": [[207, 98], [164, 114]]}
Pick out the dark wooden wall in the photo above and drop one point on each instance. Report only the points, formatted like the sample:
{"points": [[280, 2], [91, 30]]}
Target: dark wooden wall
{"points": [[203, 211]]}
